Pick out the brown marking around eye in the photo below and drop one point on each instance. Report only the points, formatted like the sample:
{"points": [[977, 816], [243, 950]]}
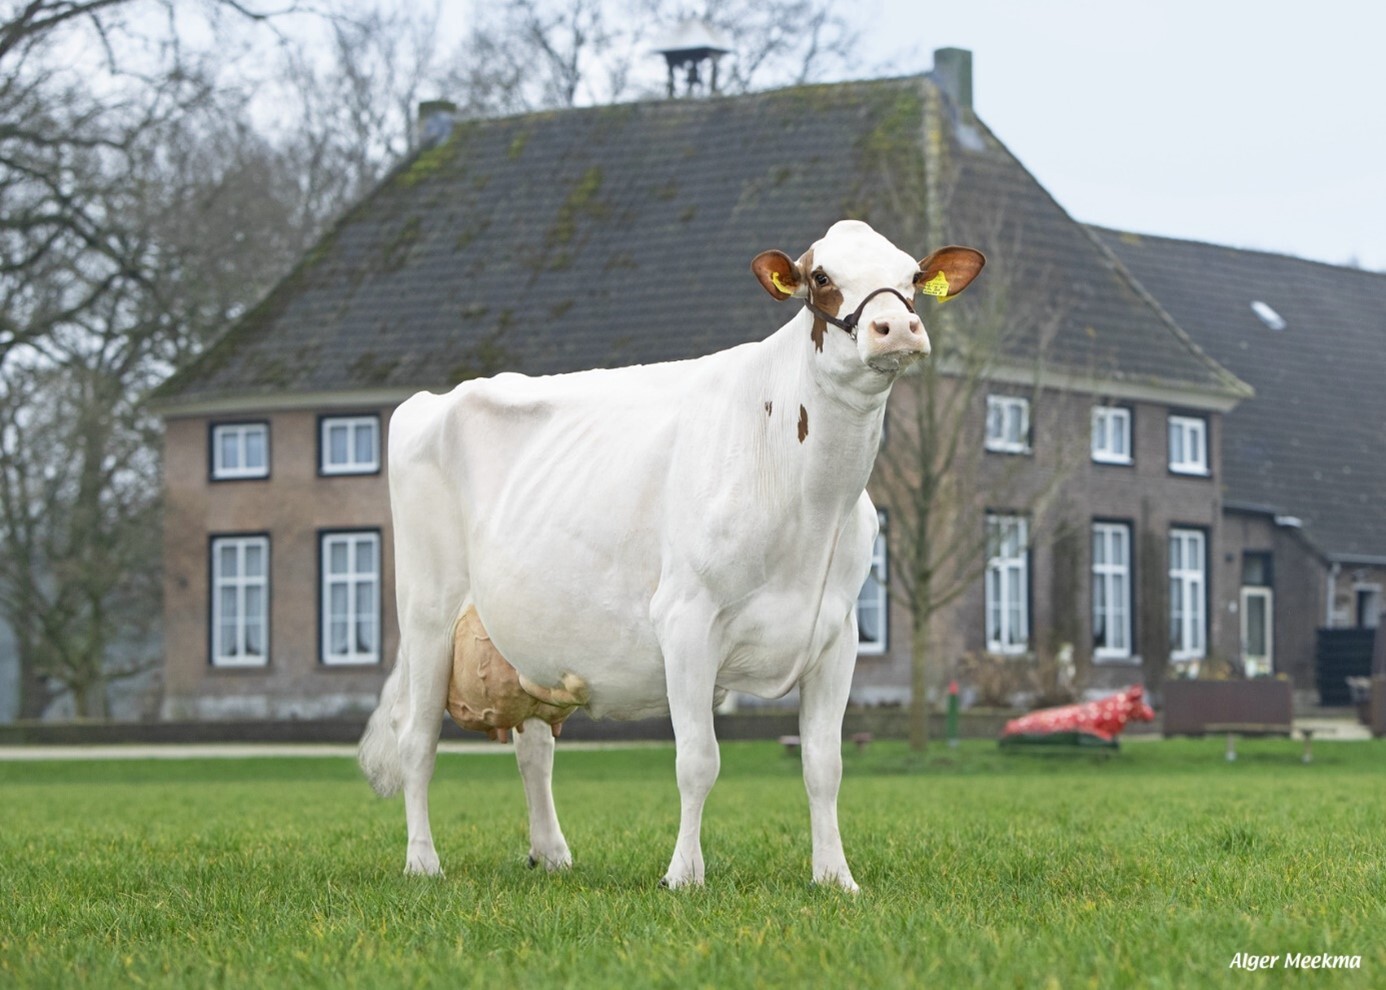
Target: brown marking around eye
{"points": [[803, 423], [828, 297]]}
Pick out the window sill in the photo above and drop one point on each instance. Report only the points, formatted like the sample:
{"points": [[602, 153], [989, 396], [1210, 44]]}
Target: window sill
{"points": [[1113, 461], [1116, 660]]}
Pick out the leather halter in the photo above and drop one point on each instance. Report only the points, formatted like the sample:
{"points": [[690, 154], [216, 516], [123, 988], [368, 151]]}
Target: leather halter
{"points": [[850, 322]]}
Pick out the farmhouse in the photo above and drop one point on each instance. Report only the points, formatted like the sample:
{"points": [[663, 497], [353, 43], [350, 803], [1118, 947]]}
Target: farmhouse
{"points": [[1117, 532], [1304, 462]]}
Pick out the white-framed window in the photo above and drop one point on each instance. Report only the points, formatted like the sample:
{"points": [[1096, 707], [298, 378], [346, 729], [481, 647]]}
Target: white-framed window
{"points": [[351, 598], [1188, 592], [1008, 424], [1111, 591], [1188, 445], [1111, 435], [240, 450], [349, 445], [1007, 584], [873, 601], [240, 601]]}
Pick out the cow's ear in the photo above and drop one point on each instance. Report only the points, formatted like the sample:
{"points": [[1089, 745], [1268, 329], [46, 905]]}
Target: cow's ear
{"points": [[948, 271], [779, 275]]}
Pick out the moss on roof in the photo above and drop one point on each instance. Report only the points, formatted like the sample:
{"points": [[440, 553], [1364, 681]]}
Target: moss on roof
{"points": [[622, 234]]}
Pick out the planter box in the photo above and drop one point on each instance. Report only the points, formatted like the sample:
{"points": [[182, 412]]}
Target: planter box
{"points": [[1193, 708]]}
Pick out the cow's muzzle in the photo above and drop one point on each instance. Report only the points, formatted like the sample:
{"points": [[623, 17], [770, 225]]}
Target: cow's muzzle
{"points": [[850, 321]]}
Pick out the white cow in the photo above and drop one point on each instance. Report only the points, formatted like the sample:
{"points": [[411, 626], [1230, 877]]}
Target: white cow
{"points": [[643, 539]]}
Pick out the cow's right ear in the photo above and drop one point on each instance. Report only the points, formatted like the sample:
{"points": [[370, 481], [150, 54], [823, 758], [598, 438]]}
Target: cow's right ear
{"points": [[779, 274]]}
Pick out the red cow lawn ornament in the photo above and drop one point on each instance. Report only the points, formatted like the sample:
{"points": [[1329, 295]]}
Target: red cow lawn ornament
{"points": [[1095, 723]]}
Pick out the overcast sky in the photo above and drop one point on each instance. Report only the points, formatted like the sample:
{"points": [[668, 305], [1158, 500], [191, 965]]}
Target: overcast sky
{"points": [[1258, 125]]}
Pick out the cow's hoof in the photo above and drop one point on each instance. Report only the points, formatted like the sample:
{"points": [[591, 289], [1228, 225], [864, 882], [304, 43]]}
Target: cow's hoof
{"points": [[676, 883], [842, 881], [423, 869], [560, 860]]}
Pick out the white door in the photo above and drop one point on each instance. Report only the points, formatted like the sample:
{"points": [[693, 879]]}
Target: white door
{"points": [[1257, 631]]}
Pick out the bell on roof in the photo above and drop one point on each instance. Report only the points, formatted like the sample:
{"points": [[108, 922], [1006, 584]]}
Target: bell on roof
{"points": [[686, 48]]}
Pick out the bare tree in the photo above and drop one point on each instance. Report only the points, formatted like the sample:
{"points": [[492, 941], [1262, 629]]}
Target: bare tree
{"points": [[109, 186], [933, 473], [535, 54]]}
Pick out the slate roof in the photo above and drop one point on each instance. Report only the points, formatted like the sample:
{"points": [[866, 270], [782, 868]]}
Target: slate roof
{"points": [[556, 241], [1312, 443]]}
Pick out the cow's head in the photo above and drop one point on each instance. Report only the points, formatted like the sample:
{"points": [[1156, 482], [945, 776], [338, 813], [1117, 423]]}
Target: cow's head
{"points": [[860, 289]]}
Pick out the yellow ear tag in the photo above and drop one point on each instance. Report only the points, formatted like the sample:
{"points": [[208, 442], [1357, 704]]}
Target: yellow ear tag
{"points": [[786, 289], [936, 286]]}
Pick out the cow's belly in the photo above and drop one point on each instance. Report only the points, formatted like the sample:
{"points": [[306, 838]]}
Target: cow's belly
{"points": [[547, 628]]}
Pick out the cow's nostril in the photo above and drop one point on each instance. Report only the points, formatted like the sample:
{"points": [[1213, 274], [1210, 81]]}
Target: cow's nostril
{"points": [[881, 327]]}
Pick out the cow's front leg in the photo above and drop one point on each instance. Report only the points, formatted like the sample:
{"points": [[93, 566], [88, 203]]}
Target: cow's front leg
{"points": [[534, 753], [691, 675], [822, 701]]}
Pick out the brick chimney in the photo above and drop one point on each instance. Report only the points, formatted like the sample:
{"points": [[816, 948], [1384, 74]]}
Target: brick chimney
{"points": [[434, 124], [953, 71]]}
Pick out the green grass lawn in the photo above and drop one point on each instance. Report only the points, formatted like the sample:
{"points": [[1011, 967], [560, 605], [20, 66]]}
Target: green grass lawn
{"points": [[1152, 868]]}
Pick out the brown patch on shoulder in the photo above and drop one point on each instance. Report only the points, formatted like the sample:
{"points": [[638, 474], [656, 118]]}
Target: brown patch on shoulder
{"points": [[803, 423], [769, 408]]}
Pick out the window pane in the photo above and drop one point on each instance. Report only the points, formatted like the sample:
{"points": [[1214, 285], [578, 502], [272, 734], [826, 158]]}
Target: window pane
{"points": [[1120, 424], [337, 600], [365, 636], [365, 442], [255, 447], [254, 560], [1099, 546], [337, 637], [1176, 443], [365, 599], [1099, 431], [365, 556], [337, 556], [337, 443], [230, 449], [226, 640], [229, 605], [227, 561], [254, 638]]}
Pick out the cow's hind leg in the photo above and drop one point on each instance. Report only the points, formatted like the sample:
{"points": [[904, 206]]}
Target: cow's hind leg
{"points": [[534, 753], [429, 666]]}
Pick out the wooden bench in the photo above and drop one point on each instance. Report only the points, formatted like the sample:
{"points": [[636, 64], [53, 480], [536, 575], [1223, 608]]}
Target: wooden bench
{"points": [[1235, 729]]}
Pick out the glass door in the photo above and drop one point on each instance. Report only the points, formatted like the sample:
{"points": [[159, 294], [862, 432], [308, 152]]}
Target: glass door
{"points": [[1257, 631]]}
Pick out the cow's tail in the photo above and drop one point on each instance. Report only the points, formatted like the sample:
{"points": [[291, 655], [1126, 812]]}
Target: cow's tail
{"points": [[378, 753]]}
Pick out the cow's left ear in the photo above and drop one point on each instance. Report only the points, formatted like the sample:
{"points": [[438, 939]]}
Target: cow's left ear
{"points": [[948, 271], [779, 275]]}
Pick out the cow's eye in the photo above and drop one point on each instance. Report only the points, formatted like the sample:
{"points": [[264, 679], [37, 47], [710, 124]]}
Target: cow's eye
{"points": [[820, 278]]}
